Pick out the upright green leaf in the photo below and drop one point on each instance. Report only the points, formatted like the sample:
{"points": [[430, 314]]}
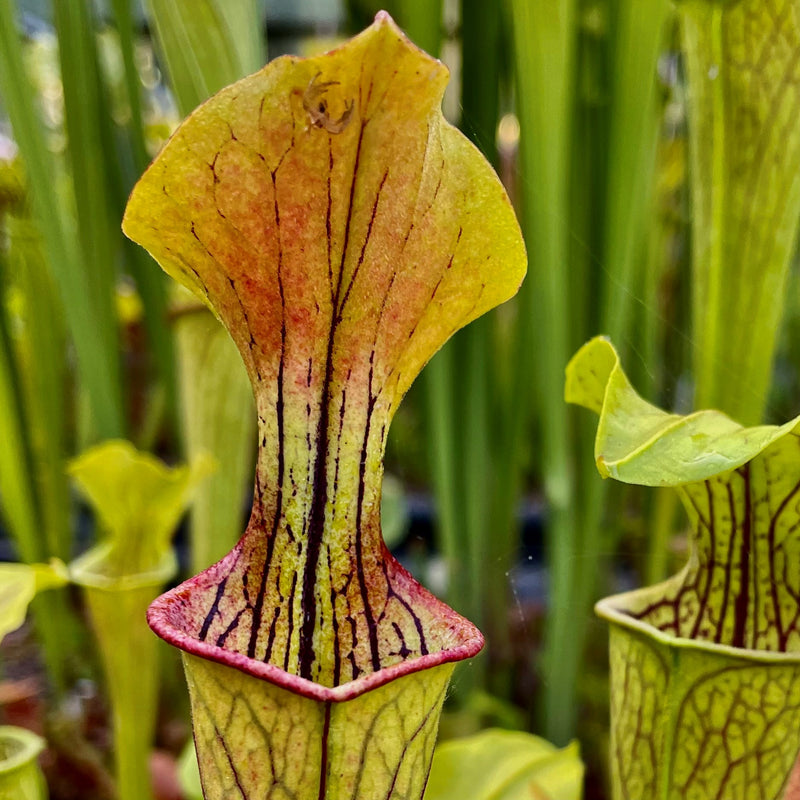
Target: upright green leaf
{"points": [[544, 44], [206, 44], [96, 354], [422, 21], [744, 97], [489, 458], [87, 128], [459, 390], [151, 284], [126, 27], [638, 32], [34, 493], [39, 344], [19, 507]]}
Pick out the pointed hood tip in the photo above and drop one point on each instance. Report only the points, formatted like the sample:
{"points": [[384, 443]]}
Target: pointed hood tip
{"points": [[383, 18]]}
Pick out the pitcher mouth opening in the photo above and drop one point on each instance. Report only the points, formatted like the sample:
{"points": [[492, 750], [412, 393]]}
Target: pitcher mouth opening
{"points": [[619, 609], [167, 620], [18, 746]]}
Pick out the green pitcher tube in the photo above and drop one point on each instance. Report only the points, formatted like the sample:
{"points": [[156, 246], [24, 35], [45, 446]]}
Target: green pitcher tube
{"points": [[376, 744], [129, 651], [695, 719], [138, 502]]}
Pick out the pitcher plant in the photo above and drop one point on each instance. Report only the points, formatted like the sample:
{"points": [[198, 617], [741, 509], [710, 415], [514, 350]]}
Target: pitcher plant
{"points": [[138, 501], [341, 230], [705, 667]]}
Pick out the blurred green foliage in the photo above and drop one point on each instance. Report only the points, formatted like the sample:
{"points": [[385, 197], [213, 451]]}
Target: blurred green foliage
{"points": [[580, 105]]}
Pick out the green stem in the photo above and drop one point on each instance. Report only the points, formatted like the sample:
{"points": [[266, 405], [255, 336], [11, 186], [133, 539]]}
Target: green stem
{"points": [[133, 86], [19, 506], [129, 652], [480, 74], [477, 463], [132, 683], [56, 633], [149, 280], [42, 374], [89, 157], [438, 387], [480, 35], [661, 522], [636, 45], [422, 22], [706, 298], [544, 47], [21, 510]]}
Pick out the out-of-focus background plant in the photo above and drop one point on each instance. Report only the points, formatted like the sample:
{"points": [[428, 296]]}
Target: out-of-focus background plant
{"points": [[494, 500]]}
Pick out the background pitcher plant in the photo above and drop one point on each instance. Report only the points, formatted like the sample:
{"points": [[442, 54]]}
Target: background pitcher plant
{"points": [[705, 696]]}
